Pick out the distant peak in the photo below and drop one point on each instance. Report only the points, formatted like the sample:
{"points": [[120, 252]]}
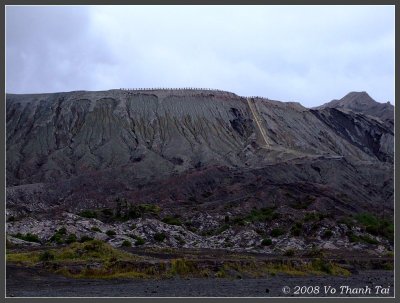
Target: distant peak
{"points": [[361, 98]]}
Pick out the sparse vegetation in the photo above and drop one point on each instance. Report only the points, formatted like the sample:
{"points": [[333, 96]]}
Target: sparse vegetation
{"points": [[327, 234], [95, 229], [314, 216], [110, 233], [126, 243], [139, 241], [303, 204], [180, 240], [266, 242], [296, 229], [352, 237], [276, 232], [264, 214], [88, 214], [376, 226], [59, 236], [112, 264], [28, 237], [46, 256], [172, 220], [71, 239], [85, 239], [368, 239], [289, 253], [159, 237]]}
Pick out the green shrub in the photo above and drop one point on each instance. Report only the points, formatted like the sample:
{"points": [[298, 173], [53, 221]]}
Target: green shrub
{"points": [[352, 237], [276, 232], [238, 221], [266, 242], [96, 229], [28, 237], [315, 252], [159, 237], [260, 215], [85, 239], [180, 240], [71, 239], [327, 234], [347, 221], [289, 253], [172, 220], [139, 241], [62, 231], [126, 243], [314, 216], [149, 208], [57, 238], [376, 226], [107, 212], [110, 233], [367, 219], [368, 239], [88, 214], [296, 229]]}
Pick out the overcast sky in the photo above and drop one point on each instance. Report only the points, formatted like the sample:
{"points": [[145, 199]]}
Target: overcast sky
{"points": [[308, 54]]}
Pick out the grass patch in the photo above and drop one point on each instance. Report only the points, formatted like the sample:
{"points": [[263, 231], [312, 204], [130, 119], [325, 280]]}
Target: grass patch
{"points": [[87, 251], [182, 267], [116, 263]]}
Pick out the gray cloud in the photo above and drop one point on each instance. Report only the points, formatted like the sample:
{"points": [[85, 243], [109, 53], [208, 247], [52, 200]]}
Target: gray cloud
{"points": [[291, 53]]}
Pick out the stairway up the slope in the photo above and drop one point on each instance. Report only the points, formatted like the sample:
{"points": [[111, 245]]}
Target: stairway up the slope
{"points": [[257, 118]]}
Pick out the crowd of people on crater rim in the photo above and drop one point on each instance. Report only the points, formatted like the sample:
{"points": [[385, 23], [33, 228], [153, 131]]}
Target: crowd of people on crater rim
{"points": [[183, 88]]}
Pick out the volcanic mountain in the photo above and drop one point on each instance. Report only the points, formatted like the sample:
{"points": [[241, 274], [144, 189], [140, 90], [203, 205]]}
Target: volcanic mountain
{"points": [[217, 164], [361, 102]]}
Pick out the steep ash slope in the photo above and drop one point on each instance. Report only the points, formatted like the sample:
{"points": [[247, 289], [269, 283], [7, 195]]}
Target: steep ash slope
{"points": [[56, 136]]}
